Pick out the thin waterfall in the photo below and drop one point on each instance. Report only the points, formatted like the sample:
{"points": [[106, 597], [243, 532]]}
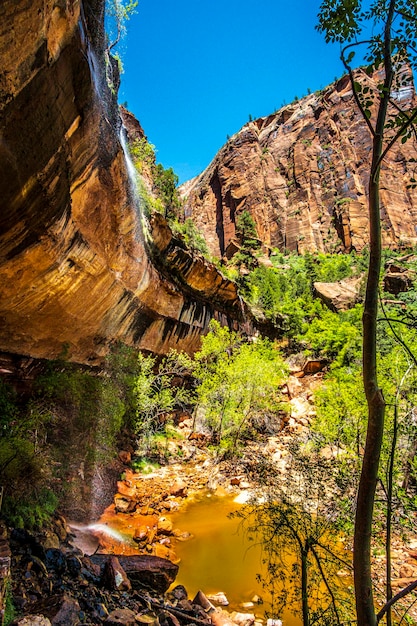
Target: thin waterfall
{"points": [[134, 181]]}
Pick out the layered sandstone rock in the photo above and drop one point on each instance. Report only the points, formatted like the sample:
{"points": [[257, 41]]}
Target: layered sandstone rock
{"points": [[302, 173], [74, 267]]}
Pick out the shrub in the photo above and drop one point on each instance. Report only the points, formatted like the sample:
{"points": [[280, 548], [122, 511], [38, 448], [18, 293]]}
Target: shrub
{"points": [[238, 383], [191, 236]]}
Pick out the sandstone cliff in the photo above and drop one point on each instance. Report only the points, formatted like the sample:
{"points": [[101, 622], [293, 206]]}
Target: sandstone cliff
{"points": [[302, 173], [74, 266]]}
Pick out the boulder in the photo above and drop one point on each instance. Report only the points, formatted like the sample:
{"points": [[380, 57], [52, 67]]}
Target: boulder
{"points": [[313, 366], [179, 593], [32, 620], [127, 491], [221, 618], [55, 560], [144, 571], [397, 282], [125, 456], [165, 526], [68, 613], [201, 600], [124, 504], [218, 598], [60, 609], [147, 619], [121, 617], [179, 489], [114, 576], [141, 534], [339, 296], [243, 619]]}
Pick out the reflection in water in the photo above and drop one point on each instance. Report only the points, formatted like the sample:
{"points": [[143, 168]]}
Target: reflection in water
{"points": [[220, 556]]}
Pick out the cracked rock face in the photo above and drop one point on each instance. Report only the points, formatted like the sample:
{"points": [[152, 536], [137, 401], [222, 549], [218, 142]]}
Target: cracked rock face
{"points": [[74, 268], [302, 173]]}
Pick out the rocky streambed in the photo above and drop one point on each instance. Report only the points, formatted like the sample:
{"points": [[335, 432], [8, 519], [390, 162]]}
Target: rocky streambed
{"points": [[122, 568]]}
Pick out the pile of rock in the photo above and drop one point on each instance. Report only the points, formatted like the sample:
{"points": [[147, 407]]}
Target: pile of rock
{"points": [[63, 587]]}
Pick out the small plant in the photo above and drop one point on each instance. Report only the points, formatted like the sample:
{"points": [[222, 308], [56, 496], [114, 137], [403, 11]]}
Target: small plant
{"points": [[9, 608]]}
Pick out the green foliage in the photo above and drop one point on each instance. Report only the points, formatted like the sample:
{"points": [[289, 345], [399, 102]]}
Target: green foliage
{"points": [[143, 153], [191, 236], [71, 420], [8, 408], [143, 465], [9, 608], [342, 412], [249, 243], [156, 395], [165, 199], [246, 229], [239, 384], [32, 509], [166, 182], [336, 336], [284, 293], [117, 14], [23, 459]]}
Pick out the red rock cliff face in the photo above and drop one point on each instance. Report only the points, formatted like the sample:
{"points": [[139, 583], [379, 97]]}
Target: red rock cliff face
{"points": [[74, 268], [302, 173]]}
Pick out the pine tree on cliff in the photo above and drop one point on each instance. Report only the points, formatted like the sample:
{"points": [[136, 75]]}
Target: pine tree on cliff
{"points": [[378, 93]]}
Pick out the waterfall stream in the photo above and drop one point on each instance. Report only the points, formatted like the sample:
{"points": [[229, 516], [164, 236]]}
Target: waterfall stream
{"points": [[134, 182]]}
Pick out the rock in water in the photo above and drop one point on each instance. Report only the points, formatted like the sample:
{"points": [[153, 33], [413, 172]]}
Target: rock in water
{"points": [[218, 598]]}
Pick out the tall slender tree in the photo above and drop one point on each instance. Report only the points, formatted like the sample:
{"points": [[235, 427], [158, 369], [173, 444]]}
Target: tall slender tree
{"points": [[390, 53]]}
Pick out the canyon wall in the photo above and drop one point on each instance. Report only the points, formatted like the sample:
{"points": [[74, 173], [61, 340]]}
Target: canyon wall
{"points": [[75, 270], [302, 173]]}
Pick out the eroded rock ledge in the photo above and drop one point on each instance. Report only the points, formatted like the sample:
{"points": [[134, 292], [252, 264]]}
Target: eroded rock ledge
{"points": [[74, 269]]}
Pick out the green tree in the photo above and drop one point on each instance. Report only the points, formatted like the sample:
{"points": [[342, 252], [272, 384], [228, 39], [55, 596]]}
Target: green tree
{"points": [[193, 239], [239, 384], [118, 12], [391, 47], [166, 181], [156, 395], [248, 240]]}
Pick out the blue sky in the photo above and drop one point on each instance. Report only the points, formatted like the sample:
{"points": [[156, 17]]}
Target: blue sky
{"points": [[194, 71]]}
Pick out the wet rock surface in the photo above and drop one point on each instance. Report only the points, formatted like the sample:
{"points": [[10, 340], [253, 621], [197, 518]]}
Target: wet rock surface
{"points": [[74, 266]]}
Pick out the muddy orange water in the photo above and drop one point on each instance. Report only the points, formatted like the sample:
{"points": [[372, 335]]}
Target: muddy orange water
{"points": [[218, 557]]}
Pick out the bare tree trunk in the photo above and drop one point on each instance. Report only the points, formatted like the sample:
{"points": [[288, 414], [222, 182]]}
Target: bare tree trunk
{"points": [[365, 610], [304, 586]]}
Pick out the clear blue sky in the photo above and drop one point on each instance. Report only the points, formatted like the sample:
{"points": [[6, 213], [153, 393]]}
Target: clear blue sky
{"points": [[194, 71]]}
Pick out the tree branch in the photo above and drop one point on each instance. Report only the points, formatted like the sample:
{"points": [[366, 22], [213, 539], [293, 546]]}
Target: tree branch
{"points": [[352, 81], [401, 594], [396, 336], [324, 578], [395, 138]]}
